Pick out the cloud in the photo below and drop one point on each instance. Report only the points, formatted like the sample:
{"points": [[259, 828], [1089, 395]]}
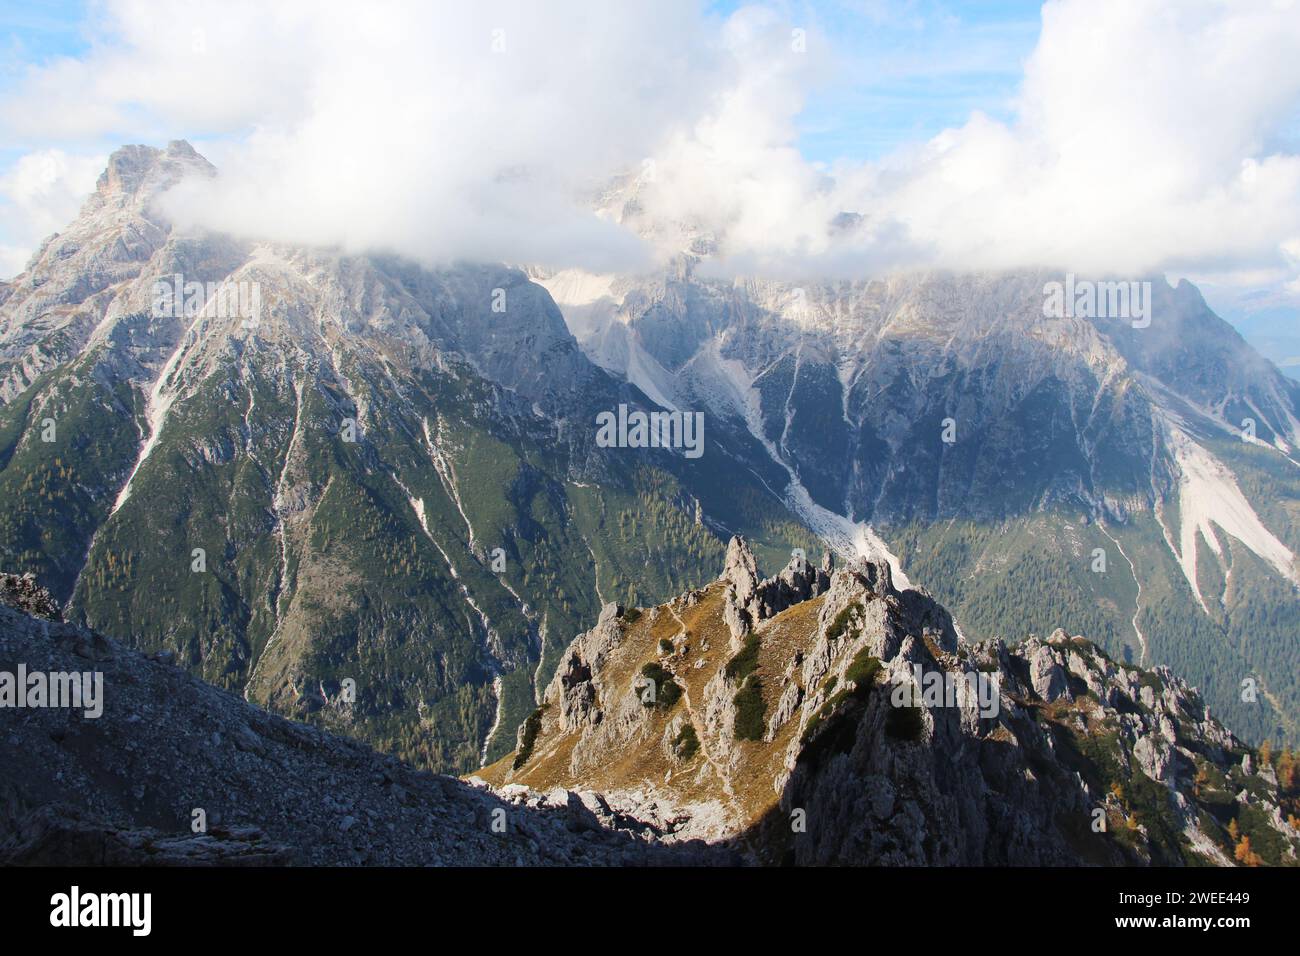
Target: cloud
{"points": [[41, 193], [443, 130], [1144, 136]]}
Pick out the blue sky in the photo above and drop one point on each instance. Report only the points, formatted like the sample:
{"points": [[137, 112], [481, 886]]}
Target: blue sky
{"points": [[907, 68], [911, 70], [36, 33]]}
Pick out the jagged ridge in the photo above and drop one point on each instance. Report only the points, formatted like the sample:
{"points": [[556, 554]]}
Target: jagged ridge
{"points": [[1076, 738]]}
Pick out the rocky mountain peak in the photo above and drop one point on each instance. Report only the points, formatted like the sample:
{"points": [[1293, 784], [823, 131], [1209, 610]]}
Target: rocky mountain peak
{"points": [[126, 169], [137, 173], [740, 570], [749, 600], [852, 726]]}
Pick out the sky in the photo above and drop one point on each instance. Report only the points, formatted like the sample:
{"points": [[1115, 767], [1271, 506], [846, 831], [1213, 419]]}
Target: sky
{"points": [[911, 71], [1129, 137]]}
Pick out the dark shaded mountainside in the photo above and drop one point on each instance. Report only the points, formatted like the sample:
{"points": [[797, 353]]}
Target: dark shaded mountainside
{"points": [[123, 788], [776, 716]]}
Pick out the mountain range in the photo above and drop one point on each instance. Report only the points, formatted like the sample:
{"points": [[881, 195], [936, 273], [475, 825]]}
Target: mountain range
{"points": [[379, 503]]}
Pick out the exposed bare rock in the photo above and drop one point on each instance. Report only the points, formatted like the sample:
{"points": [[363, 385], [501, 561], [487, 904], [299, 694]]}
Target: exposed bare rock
{"points": [[740, 570], [573, 688], [749, 600], [741, 575], [59, 836], [1045, 671], [1152, 756], [853, 725]]}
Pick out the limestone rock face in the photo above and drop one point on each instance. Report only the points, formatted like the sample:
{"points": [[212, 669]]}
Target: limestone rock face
{"points": [[749, 600], [740, 570], [1153, 756], [573, 688], [1045, 672], [741, 575], [851, 724], [739, 622]]}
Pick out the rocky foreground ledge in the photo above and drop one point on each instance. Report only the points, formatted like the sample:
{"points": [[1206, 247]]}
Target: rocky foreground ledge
{"points": [[123, 788]]}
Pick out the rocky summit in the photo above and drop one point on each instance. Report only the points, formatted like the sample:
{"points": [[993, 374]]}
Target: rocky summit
{"points": [[825, 716]]}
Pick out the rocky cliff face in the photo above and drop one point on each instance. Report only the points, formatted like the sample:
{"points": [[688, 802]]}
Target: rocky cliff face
{"points": [[176, 772], [850, 722]]}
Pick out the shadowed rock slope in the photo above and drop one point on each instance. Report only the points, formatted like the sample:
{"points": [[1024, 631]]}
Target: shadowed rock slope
{"points": [[764, 715], [122, 788]]}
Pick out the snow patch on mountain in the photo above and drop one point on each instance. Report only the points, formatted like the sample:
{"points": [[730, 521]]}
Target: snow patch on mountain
{"points": [[848, 538], [492, 644], [157, 405], [1208, 496]]}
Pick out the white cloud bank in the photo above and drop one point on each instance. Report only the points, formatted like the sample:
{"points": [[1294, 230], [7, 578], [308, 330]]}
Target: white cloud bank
{"points": [[1147, 136], [43, 191]]}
